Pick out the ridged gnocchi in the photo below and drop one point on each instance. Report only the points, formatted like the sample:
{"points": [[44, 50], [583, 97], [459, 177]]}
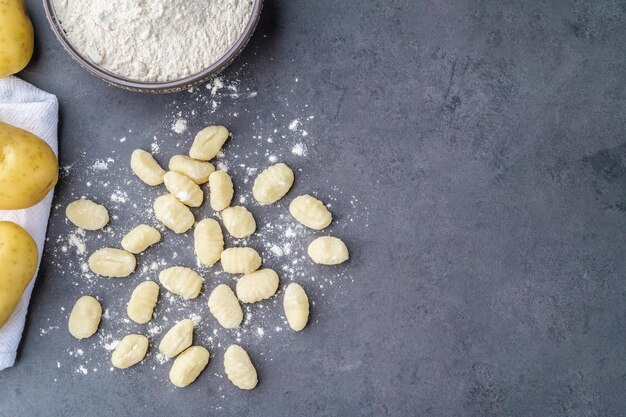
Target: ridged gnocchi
{"points": [[328, 250], [240, 260], [197, 171], [221, 190], [239, 368], [87, 215], [238, 221], [296, 306], [183, 188], [208, 142], [311, 212], [140, 238], [208, 242], [111, 262], [189, 365], [146, 167], [142, 302], [177, 339], [173, 214], [182, 281], [85, 317], [257, 286], [130, 351], [224, 306], [272, 184]]}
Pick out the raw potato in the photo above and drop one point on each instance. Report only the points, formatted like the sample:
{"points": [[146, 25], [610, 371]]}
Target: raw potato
{"points": [[173, 214], [257, 286], [16, 37], [177, 339], [85, 317], [183, 188], [110, 262], [272, 184], [146, 167], [239, 368], [208, 242], [296, 305], [188, 366], [310, 212], [130, 351], [225, 307], [240, 260], [221, 190], [28, 167], [87, 215], [142, 302], [140, 238], [238, 221], [328, 250], [208, 142], [18, 260], [182, 281], [198, 171]]}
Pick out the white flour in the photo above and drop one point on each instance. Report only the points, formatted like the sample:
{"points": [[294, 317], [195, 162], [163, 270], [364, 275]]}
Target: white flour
{"points": [[156, 40]]}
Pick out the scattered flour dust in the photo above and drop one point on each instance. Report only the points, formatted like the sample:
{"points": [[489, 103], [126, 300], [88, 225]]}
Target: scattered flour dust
{"points": [[180, 126]]}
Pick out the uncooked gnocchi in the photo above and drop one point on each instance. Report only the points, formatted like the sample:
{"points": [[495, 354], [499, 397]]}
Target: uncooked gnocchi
{"points": [[208, 241], [328, 250], [257, 286], [220, 190], [239, 368], [272, 184], [142, 302], [87, 215], [240, 260], [177, 339], [182, 281], [198, 171], [310, 212], [188, 366], [225, 307], [138, 239], [85, 317], [111, 262], [208, 142], [146, 167], [130, 351], [183, 188], [296, 306], [173, 214], [238, 221]]}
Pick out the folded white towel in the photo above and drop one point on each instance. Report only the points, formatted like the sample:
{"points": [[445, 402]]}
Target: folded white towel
{"points": [[36, 111]]}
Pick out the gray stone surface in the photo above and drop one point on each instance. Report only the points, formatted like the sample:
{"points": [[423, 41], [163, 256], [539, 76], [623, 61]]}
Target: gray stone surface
{"points": [[485, 142]]}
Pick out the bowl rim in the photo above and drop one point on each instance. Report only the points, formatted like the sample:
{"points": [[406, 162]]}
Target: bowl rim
{"points": [[150, 86]]}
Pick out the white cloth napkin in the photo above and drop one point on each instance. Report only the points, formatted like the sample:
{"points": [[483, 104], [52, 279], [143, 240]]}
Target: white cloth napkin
{"points": [[36, 111]]}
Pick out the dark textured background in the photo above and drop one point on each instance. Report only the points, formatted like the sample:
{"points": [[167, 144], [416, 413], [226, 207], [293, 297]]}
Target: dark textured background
{"points": [[487, 140]]}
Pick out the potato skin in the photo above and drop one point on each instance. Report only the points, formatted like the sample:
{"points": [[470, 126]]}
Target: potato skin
{"points": [[16, 37], [18, 257], [29, 169]]}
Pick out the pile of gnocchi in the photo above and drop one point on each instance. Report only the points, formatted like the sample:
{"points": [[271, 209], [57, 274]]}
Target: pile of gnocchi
{"points": [[183, 180]]}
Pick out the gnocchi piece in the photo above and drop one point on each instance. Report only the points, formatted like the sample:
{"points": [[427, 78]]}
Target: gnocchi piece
{"points": [[240, 260], [239, 368], [238, 221], [272, 184], [183, 188], [198, 171], [221, 190], [224, 306], [177, 339], [142, 302], [328, 250], [85, 317], [146, 167], [87, 215], [208, 142], [110, 262], [311, 212], [182, 281], [208, 241], [257, 286], [296, 306], [140, 238], [130, 351], [188, 366], [173, 214]]}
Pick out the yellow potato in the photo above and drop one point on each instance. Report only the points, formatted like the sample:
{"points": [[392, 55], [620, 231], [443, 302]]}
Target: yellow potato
{"points": [[18, 257], [28, 167], [16, 37]]}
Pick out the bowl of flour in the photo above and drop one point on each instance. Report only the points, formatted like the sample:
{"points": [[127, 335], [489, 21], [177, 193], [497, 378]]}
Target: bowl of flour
{"points": [[154, 46]]}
